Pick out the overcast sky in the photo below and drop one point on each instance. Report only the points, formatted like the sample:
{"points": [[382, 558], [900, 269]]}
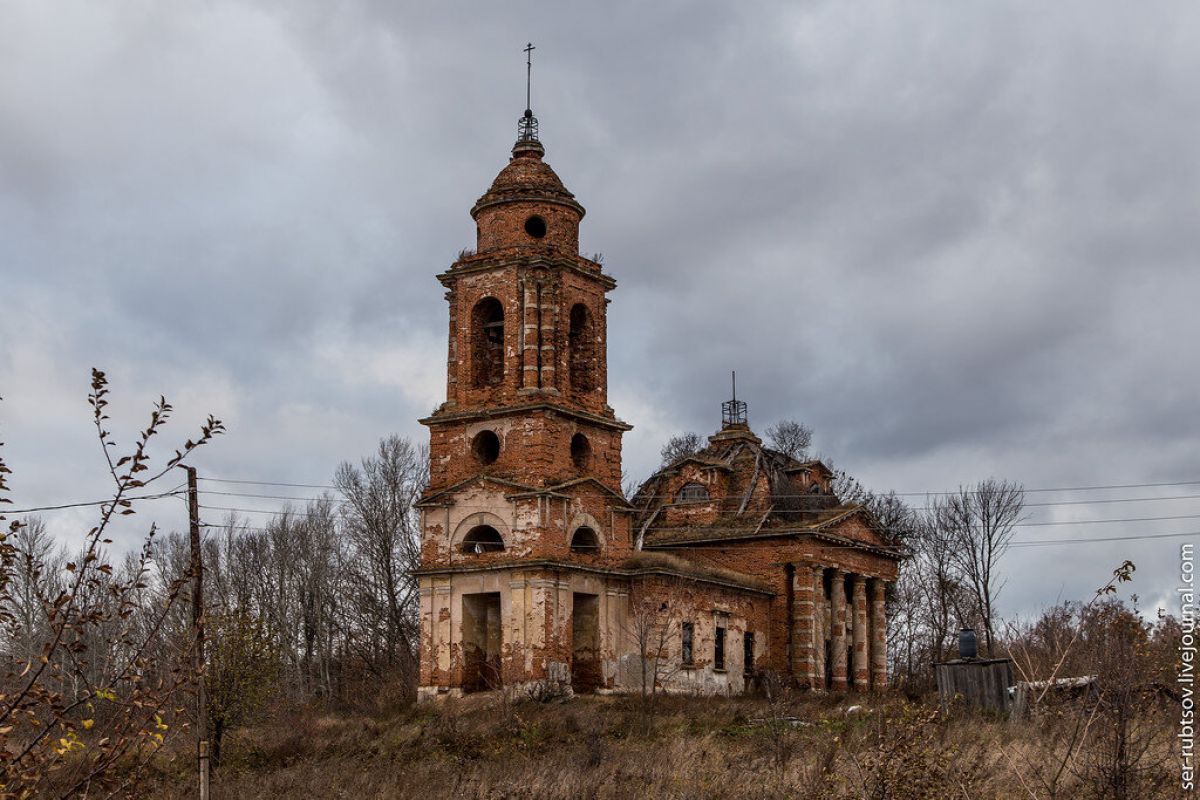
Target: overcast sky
{"points": [[958, 239]]}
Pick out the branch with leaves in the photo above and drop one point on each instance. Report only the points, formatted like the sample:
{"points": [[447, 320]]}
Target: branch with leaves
{"points": [[91, 697]]}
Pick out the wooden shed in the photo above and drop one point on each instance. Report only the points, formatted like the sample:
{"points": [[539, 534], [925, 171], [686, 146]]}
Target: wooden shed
{"points": [[982, 683]]}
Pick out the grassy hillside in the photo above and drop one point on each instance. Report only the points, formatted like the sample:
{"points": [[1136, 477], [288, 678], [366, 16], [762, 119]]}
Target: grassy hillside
{"points": [[802, 747]]}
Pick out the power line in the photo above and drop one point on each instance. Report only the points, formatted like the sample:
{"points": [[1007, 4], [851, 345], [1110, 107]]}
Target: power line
{"points": [[172, 493], [1048, 542], [271, 483], [898, 494], [1060, 489], [736, 512], [1101, 501], [1016, 525], [274, 496], [1015, 543]]}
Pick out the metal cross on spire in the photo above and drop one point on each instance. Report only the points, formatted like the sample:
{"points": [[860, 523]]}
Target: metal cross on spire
{"points": [[529, 48], [527, 126]]}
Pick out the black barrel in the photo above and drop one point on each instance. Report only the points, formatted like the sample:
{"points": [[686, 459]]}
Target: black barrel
{"points": [[968, 645]]}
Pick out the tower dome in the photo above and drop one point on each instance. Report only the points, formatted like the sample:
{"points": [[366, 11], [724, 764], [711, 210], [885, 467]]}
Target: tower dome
{"points": [[527, 206]]}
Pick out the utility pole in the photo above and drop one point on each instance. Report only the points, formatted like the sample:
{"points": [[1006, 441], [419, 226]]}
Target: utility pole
{"points": [[198, 629]]}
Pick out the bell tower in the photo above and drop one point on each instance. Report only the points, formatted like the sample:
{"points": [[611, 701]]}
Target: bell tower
{"points": [[526, 370], [525, 532]]}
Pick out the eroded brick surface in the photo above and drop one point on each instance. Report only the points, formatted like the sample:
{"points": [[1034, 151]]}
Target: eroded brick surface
{"points": [[536, 568]]}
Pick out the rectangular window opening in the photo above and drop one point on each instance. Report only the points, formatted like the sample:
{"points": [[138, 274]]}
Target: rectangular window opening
{"points": [[719, 649], [687, 637]]}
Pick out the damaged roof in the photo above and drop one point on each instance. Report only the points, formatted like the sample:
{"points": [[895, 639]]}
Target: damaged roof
{"points": [[765, 493]]}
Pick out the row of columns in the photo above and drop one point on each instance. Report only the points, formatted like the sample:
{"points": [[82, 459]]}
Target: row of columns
{"points": [[848, 640]]}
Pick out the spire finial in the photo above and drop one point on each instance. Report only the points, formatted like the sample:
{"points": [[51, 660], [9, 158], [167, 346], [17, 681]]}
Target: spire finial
{"points": [[527, 126], [733, 411]]}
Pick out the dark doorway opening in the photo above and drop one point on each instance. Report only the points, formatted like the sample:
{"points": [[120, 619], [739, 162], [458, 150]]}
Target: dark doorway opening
{"points": [[481, 642], [585, 642]]}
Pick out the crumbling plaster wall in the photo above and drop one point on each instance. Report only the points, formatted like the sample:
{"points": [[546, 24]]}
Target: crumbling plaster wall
{"points": [[706, 606], [536, 609]]}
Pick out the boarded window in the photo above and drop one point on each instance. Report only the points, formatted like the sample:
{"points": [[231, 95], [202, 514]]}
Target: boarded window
{"points": [[487, 342], [692, 493], [719, 649], [581, 349], [687, 637], [483, 539]]}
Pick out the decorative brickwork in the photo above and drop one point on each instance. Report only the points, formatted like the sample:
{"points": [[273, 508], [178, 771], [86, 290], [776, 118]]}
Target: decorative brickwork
{"points": [[536, 568]]}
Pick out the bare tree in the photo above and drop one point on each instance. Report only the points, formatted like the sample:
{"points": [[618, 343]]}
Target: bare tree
{"points": [[680, 446], [979, 524], [791, 438], [381, 526], [37, 578], [653, 626]]}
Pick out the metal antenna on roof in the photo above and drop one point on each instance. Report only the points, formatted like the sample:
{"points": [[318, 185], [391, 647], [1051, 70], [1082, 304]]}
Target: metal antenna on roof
{"points": [[527, 126], [733, 412]]}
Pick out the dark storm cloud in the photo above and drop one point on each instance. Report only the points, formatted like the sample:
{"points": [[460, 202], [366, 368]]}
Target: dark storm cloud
{"points": [[958, 240]]}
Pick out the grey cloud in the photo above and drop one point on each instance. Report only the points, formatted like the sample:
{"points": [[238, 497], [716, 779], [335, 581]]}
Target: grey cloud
{"points": [[957, 240]]}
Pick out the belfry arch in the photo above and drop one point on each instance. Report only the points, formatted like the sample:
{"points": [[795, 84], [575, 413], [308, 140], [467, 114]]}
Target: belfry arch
{"points": [[487, 343], [581, 349]]}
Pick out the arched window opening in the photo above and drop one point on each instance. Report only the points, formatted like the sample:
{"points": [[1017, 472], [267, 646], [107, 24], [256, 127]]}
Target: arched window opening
{"points": [[486, 447], [692, 493], [585, 540], [483, 539], [581, 349], [581, 451], [487, 342]]}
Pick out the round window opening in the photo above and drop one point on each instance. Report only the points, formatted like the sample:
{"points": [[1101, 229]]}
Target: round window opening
{"points": [[581, 451], [535, 226], [486, 446]]}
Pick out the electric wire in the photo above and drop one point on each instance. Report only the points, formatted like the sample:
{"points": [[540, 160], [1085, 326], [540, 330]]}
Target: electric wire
{"points": [[941, 493], [172, 493]]}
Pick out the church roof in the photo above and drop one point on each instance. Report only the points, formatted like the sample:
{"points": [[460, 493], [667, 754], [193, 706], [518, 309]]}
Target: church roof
{"points": [[527, 177], [761, 492], [821, 525]]}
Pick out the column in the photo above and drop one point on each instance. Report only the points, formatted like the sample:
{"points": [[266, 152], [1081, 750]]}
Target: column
{"points": [[820, 615], [861, 673], [529, 334], [837, 593], [879, 679], [804, 623], [549, 320]]}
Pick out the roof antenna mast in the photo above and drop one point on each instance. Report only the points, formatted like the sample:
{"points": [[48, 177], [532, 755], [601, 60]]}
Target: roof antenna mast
{"points": [[527, 126], [733, 411]]}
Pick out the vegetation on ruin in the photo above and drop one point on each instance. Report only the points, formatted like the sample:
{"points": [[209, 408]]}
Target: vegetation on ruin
{"points": [[311, 670]]}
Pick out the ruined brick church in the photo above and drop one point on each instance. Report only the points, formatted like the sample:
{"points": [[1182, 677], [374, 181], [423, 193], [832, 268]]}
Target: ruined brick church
{"points": [[535, 567]]}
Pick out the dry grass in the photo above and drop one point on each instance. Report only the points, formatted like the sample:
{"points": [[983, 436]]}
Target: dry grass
{"points": [[806, 747]]}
